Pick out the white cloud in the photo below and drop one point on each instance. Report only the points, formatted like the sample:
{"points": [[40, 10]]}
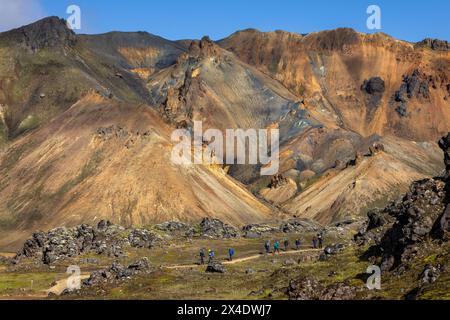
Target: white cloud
{"points": [[16, 13]]}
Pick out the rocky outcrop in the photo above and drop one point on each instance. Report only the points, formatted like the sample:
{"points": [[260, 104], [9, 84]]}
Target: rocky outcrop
{"points": [[257, 230], [374, 85], [175, 228], [426, 279], [434, 44], [374, 88], [331, 250], [416, 85], [443, 226], [62, 243], [215, 228], [117, 272], [415, 216], [375, 148], [444, 144], [355, 161], [374, 228], [421, 215], [142, 238], [430, 274], [298, 225], [111, 132], [277, 181], [377, 218], [215, 266], [304, 288], [204, 48], [279, 190]]}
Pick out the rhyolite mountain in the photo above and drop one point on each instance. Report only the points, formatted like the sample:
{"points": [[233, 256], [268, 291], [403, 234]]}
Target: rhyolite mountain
{"points": [[85, 124]]}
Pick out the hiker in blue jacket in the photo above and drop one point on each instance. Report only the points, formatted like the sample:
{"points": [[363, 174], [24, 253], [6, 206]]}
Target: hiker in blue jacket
{"points": [[211, 255], [231, 254]]}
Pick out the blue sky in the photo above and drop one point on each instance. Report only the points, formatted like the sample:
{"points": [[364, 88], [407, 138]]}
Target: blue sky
{"points": [[410, 20]]}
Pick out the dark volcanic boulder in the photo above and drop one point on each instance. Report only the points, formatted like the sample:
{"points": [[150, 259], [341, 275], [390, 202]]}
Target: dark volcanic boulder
{"points": [[374, 85], [334, 249], [444, 144], [377, 218], [430, 274], [422, 215], [416, 216], [374, 89], [142, 238], [215, 266], [378, 222], [443, 230], [118, 272]]}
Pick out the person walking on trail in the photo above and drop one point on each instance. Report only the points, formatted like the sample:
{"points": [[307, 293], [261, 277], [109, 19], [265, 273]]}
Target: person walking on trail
{"points": [[298, 243], [211, 255], [276, 247], [202, 256], [314, 241], [286, 244], [231, 254], [320, 240], [267, 246]]}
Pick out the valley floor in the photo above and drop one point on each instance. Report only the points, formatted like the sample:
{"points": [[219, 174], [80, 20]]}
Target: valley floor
{"points": [[252, 274]]}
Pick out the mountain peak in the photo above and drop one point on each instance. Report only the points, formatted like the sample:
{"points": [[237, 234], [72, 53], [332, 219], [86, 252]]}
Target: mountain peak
{"points": [[204, 48], [434, 44], [50, 32]]}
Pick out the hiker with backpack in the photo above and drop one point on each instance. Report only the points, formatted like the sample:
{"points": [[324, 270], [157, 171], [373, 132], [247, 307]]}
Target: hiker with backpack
{"points": [[314, 241], [320, 240], [211, 255], [286, 244], [267, 246], [298, 243], [202, 256], [276, 247], [231, 254]]}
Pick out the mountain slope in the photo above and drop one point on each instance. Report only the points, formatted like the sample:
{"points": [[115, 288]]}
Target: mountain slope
{"points": [[349, 192], [85, 124], [107, 160], [209, 84], [45, 68], [371, 84]]}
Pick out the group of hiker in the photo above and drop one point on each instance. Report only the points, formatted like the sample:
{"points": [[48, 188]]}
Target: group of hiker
{"points": [[276, 245], [212, 255], [317, 243]]}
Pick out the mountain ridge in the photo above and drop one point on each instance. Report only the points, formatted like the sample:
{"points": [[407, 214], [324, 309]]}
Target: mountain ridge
{"points": [[359, 116]]}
